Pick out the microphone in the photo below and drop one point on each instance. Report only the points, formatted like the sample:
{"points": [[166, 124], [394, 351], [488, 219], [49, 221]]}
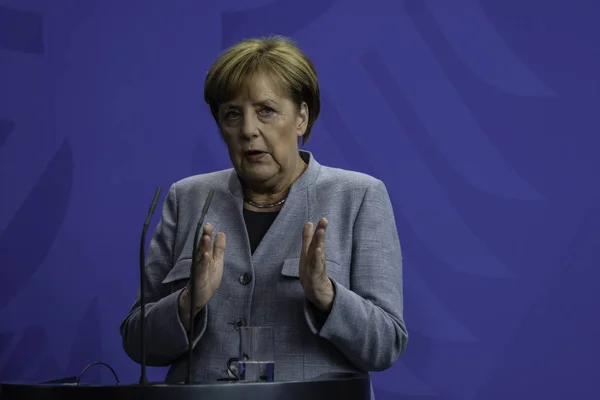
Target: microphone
{"points": [[143, 379], [195, 259]]}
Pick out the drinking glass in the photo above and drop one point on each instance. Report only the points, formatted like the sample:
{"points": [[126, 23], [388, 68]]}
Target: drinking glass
{"points": [[256, 361]]}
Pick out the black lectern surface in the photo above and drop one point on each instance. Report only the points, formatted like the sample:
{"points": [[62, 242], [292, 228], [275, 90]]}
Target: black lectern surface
{"points": [[347, 387]]}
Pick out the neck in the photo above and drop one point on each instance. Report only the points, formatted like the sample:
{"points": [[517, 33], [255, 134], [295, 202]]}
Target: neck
{"points": [[273, 194]]}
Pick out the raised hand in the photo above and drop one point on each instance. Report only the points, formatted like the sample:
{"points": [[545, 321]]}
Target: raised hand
{"points": [[209, 272], [317, 286]]}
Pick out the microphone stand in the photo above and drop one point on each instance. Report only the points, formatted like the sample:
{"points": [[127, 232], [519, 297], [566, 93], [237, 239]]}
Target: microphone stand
{"points": [[143, 379], [195, 259]]}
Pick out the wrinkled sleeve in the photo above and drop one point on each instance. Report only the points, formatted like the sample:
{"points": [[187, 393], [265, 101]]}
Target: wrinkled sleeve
{"points": [[366, 320]]}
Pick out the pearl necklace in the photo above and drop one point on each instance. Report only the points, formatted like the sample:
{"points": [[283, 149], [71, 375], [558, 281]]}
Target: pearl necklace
{"points": [[268, 205]]}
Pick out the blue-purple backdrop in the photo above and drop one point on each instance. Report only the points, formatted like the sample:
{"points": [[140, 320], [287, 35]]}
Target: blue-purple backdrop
{"points": [[480, 116]]}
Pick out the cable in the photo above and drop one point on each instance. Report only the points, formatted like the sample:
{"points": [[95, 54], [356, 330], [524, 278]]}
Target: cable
{"points": [[97, 363]]}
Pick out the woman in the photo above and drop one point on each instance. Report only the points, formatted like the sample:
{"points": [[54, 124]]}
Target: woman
{"points": [[335, 303]]}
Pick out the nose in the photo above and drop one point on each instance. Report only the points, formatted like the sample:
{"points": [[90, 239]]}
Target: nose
{"points": [[250, 125]]}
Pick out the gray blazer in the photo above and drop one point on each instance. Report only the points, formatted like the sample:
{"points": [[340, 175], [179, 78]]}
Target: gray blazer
{"points": [[364, 331]]}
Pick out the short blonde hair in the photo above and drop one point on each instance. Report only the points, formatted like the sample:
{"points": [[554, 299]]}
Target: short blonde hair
{"points": [[276, 55]]}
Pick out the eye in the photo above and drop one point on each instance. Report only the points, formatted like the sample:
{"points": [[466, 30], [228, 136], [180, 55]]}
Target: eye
{"points": [[232, 115], [266, 111]]}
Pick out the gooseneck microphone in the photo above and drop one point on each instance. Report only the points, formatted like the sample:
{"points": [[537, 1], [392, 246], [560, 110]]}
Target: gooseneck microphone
{"points": [[195, 259], [143, 379]]}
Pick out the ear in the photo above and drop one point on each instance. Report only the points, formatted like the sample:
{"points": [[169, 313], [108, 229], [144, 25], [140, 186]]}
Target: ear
{"points": [[302, 120]]}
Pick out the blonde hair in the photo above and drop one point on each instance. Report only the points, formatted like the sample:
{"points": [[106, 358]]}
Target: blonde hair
{"points": [[275, 55]]}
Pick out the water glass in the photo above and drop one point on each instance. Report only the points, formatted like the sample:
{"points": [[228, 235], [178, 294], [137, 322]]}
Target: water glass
{"points": [[256, 360]]}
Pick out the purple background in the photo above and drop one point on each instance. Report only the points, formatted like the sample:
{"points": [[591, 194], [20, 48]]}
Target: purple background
{"points": [[482, 117]]}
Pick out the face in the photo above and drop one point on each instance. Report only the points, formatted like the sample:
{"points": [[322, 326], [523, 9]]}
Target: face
{"points": [[261, 127]]}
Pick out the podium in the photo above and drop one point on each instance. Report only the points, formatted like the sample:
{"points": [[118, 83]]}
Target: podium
{"points": [[327, 387]]}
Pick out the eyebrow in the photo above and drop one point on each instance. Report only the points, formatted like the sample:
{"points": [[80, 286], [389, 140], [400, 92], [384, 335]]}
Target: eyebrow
{"points": [[256, 103]]}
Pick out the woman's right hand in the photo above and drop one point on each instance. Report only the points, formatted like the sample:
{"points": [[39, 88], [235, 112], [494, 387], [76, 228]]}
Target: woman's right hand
{"points": [[209, 271]]}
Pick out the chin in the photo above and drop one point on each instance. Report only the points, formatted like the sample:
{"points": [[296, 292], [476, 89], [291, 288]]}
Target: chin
{"points": [[258, 176]]}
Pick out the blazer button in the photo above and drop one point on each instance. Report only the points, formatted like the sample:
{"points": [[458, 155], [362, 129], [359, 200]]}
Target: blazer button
{"points": [[245, 279], [239, 323]]}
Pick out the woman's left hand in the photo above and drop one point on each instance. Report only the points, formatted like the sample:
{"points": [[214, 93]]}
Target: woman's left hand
{"points": [[317, 286]]}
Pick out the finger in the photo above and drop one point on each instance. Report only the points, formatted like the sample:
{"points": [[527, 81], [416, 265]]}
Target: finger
{"points": [[323, 227], [207, 229], [219, 247], [318, 239], [323, 223], [207, 239], [202, 267], [307, 236], [202, 245]]}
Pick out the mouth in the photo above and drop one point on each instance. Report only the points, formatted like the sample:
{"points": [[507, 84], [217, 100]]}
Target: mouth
{"points": [[254, 155]]}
